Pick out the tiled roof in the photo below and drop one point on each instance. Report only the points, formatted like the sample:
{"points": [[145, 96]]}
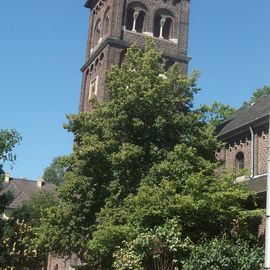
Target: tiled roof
{"points": [[246, 115], [258, 183], [22, 190]]}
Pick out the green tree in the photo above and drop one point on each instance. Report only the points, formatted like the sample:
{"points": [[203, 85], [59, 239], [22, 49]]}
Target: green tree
{"points": [[54, 173], [17, 238], [216, 113], [226, 255], [260, 92], [8, 140], [141, 159]]}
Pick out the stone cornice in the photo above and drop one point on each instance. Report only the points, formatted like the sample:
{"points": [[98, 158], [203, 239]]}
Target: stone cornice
{"points": [[125, 44]]}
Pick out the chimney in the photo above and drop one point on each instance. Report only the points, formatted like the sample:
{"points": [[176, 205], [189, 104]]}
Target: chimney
{"points": [[40, 182], [7, 177]]}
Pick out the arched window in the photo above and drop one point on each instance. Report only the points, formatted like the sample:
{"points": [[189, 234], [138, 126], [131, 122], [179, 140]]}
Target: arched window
{"points": [[101, 57], [157, 21], [122, 57], [168, 64], [240, 161], [163, 24], [136, 17], [167, 28], [97, 33], [129, 20], [139, 27], [106, 22], [56, 267]]}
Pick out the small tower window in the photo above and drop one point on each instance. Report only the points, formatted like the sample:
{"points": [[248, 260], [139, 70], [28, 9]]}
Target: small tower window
{"points": [[168, 64], [136, 17], [167, 28], [163, 25], [93, 88], [129, 20], [157, 25], [101, 57], [140, 22], [97, 33], [122, 57], [106, 22], [240, 161]]}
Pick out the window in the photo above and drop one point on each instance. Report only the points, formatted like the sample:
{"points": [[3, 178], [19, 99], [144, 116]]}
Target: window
{"points": [[140, 22], [163, 25], [97, 33], [129, 20], [106, 22], [239, 161], [167, 28], [122, 57], [168, 64], [101, 57], [136, 17], [93, 88]]}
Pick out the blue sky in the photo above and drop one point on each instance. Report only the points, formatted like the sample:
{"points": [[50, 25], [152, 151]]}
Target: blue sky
{"points": [[42, 47]]}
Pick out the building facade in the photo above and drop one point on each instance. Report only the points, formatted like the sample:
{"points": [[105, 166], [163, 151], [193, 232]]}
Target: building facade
{"points": [[246, 138], [116, 24], [22, 190]]}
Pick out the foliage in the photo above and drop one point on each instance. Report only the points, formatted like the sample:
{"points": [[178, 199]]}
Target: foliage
{"points": [[17, 233], [226, 255], [216, 113], [142, 161], [8, 139], [258, 93], [204, 208], [162, 247], [54, 173]]}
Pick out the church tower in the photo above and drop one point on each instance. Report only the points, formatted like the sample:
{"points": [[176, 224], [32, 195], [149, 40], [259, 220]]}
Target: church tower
{"points": [[116, 24]]}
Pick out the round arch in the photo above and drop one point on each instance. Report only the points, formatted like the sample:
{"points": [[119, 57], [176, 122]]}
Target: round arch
{"points": [[136, 17], [163, 24], [106, 21]]}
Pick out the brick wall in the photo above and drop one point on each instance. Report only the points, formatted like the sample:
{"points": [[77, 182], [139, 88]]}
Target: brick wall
{"points": [[117, 39], [58, 262], [242, 144], [262, 144]]}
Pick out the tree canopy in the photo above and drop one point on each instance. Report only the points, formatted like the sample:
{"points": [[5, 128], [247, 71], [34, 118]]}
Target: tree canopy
{"points": [[141, 187], [8, 140], [17, 235], [259, 92], [54, 173]]}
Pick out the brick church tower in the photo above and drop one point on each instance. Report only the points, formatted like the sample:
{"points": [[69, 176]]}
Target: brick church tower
{"points": [[116, 24]]}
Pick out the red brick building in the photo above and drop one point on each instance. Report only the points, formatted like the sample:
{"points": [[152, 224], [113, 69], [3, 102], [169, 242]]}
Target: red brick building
{"points": [[116, 24], [22, 190], [113, 26], [246, 137]]}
